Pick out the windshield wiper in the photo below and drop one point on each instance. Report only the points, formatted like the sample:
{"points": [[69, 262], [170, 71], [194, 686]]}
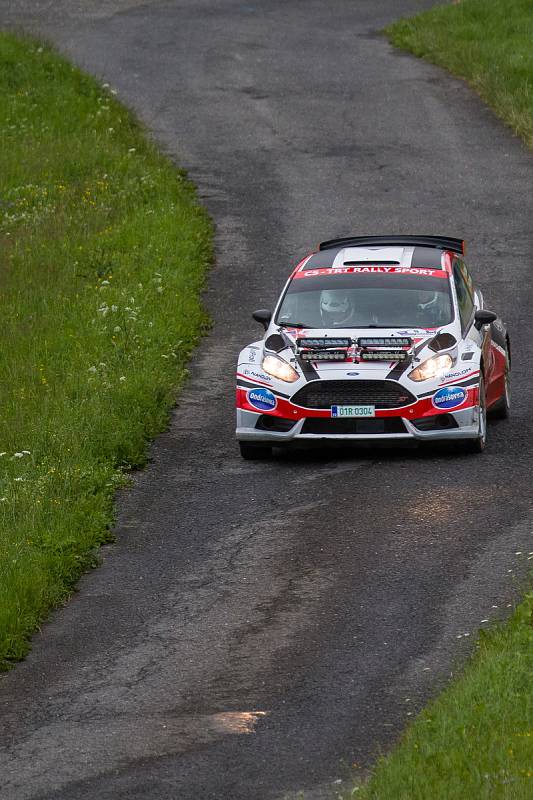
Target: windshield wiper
{"points": [[292, 325]]}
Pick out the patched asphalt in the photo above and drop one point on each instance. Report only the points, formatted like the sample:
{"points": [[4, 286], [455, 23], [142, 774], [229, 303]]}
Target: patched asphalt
{"points": [[258, 628]]}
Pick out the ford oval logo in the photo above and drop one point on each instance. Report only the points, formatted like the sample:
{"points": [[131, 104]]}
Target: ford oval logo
{"points": [[263, 399], [449, 397]]}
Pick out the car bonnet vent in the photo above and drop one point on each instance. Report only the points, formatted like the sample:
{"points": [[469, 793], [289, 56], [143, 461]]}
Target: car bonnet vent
{"points": [[442, 341], [369, 263]]}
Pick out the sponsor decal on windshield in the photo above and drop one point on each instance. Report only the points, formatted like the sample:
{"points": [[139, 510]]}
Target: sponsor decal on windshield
{"points": [[428, 273]]}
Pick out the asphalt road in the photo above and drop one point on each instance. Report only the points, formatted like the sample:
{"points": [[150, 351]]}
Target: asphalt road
{"points": [[258, 628]]}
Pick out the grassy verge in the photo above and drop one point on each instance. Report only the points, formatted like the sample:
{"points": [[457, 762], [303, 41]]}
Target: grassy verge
{"points": [[476, 739], [488, 42], [103, 253]]}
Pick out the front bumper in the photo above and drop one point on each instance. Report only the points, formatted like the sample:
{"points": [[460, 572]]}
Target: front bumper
{"points": [[466, 421]]}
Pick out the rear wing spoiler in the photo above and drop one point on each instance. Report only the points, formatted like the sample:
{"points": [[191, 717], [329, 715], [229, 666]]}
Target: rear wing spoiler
{"points": [[440, 242]]}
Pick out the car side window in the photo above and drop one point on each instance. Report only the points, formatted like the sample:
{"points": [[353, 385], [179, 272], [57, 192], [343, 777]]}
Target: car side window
{"points": [[464, 290]]}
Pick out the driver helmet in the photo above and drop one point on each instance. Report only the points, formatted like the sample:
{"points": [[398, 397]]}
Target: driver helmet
{"points": [[427, 301], [336, 308]]}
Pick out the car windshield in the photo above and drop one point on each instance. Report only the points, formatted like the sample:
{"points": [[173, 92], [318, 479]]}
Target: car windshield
{"points": [[369, 300]]}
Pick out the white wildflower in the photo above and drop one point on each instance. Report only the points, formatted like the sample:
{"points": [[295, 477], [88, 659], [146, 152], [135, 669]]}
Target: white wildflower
{"points": [[92, 369], [116, 329]]}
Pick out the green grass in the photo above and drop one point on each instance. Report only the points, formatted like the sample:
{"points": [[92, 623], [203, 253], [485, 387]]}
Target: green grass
{"points": [[103, 255], [488, 42], [475, 742]]}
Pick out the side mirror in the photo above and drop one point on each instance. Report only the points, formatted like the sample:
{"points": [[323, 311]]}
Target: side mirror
{"points": [[263, 316], [483, 317]]}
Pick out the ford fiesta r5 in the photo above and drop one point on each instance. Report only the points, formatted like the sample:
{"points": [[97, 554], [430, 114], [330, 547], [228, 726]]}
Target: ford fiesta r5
{"points": [[375, 338]]}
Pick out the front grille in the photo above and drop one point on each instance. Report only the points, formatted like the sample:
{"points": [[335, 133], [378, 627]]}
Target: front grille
{"points": [[349, 426], [381, 394]]}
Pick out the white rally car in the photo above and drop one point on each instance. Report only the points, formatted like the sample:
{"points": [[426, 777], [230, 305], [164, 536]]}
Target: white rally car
{"points": [[376, 338]]}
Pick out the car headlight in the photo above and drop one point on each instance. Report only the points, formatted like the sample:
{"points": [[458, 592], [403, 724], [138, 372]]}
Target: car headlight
{"points": [[432, 367], [278, 368]]}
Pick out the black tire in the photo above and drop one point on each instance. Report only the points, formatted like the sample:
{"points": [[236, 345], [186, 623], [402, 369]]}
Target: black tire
{"points": [[254, 452], [478, 444], [502, 408]]}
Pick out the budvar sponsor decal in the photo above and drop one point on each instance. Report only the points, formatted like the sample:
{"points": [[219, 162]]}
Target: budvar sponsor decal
{"points": [[263, 399], [449, 397]]}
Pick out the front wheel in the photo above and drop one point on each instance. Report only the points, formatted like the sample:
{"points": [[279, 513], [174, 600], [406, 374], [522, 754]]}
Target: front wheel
{"points": [[502, 408], [253, 452], [478, 444]]}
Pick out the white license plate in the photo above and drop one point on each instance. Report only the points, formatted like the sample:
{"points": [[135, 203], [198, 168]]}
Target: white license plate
{"points": [[353, 411]]}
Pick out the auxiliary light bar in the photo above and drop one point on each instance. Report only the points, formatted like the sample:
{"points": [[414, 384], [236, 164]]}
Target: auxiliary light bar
{"points": [[385, 341], [324, 355], [323, 342], [384, 355]]}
